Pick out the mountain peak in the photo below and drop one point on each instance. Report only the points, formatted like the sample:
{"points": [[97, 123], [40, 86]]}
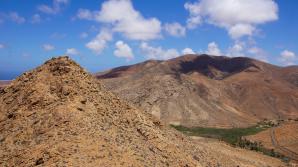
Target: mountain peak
{"points": [[62, 65], [58, 79]]}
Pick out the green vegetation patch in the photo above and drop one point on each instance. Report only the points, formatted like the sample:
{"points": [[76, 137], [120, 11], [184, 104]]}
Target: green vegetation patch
{"points": [[232, 136], [235, 136]]}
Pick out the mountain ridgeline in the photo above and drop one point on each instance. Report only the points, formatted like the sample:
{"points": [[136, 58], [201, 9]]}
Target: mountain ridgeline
{"points": [[204, 90]]}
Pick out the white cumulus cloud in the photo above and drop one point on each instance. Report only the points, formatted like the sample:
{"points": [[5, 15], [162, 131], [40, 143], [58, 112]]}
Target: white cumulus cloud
{"points": [[240, 30], [193, 22], [175, 29], [213, 49], [48, 47], [237, 50], [158, 52], [99, 43], [244, 49], [238, 17], [124, 19], [123, 50], [187, 51], [72, 51], [288, 57]]}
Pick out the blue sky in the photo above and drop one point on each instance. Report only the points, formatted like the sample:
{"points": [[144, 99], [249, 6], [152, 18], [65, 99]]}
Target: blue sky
{"points": [[106, 34]]}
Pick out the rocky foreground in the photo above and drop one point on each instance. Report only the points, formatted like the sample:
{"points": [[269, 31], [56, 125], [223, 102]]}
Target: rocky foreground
{"points": [[59, 115]]}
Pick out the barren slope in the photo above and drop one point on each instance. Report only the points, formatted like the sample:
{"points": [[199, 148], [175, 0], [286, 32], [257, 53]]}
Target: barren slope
{"points": [[59, 115], [208, 90], [283, 139]]}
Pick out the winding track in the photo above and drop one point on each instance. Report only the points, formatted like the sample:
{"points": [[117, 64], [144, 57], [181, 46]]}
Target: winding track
{"points": [[275, 143]]}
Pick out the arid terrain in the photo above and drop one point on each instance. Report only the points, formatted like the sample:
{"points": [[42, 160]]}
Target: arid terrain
{"points": [[211, 91], [60, 115], [282, 139]]}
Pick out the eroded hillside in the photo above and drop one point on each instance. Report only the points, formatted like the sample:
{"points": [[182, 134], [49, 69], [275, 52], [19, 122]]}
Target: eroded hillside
{"points": [[204, 90]]}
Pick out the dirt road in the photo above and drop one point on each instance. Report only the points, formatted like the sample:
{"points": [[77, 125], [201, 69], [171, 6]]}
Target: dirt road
{"points": [[275, 143]]}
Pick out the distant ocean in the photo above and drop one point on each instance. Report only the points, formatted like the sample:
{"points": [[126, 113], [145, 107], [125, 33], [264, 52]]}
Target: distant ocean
{"points": [[9, 75]]}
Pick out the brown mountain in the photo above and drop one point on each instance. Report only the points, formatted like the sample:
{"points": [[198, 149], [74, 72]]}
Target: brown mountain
{"points": [[59, 115], [208, 90]]}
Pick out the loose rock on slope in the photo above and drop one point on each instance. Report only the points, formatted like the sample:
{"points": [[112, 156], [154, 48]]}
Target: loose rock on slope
{"points": [[59, 115]]}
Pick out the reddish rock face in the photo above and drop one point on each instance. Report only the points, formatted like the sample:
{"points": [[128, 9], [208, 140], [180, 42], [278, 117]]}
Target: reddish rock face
{"points": [[208, 90]]}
